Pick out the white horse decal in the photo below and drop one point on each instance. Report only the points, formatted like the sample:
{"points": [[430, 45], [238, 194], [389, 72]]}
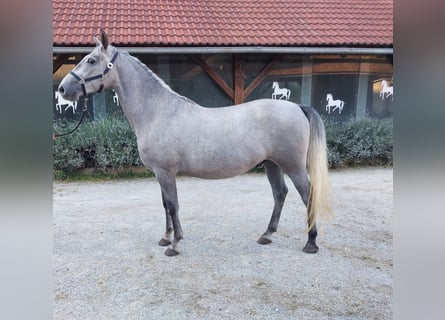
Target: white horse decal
{"points": [[62, 102], [285, 93], [115, 98], [386, 90], [337, 104]]}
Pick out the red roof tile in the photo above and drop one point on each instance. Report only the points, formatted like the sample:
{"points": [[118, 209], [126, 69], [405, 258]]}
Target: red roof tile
{"points": [[225, 22]]}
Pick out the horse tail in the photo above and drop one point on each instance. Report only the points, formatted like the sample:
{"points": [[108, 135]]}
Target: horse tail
{"points": [[317, 162]]}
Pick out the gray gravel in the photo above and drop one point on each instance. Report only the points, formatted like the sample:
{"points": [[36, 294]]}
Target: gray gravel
{"points": [[107, 264]]}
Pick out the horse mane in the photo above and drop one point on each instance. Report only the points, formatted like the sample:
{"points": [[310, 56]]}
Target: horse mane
{"points": [[153, 75]]}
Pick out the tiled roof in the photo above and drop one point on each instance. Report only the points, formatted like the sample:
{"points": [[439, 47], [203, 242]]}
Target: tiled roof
{"points": [[225, 22]]}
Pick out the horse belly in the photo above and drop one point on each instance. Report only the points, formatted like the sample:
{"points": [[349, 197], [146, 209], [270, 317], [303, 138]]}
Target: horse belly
{"points": [[221, 161]]}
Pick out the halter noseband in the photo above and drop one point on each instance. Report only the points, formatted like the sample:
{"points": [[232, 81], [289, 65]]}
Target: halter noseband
{"points": [[98, 76]]}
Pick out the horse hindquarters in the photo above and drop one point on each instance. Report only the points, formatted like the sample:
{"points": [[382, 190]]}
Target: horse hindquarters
{"points": [[313, 192]]}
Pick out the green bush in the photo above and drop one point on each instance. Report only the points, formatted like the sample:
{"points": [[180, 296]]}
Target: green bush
{"points": [[108, 143], [111, 144], [363, 141]]}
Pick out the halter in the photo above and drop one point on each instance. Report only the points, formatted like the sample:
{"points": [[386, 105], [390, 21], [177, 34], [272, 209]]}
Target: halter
{"points": [[98, 76], [85, 95]]}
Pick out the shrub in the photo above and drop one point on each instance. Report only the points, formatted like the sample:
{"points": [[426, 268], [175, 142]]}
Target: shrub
{"points": [[111, 144], [108, 143], [364, 141]]}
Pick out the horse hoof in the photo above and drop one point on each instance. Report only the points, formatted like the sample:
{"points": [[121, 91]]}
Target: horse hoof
{"points": [[171, 252], [310, 248], [264, 240], [164, 242]]}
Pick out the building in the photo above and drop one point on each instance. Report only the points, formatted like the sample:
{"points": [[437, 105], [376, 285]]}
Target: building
{"points": [[333, 55]]}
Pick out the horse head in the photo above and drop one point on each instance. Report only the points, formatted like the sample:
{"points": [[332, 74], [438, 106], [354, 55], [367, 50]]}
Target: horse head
{"points": [[274, 85], [329, 97], [90, 75]]}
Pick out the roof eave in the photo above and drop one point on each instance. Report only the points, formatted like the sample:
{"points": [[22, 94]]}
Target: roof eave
{"points": [[244, 49]]}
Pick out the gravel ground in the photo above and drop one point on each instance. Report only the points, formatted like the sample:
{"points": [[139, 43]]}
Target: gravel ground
{"points": [[107, 264]]}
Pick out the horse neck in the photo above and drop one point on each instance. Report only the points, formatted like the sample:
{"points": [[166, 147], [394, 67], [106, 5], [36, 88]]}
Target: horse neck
{"points": [[141, 93]]}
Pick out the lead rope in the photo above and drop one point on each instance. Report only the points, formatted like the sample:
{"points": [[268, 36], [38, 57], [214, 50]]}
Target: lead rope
{"points": [[84, 111]]}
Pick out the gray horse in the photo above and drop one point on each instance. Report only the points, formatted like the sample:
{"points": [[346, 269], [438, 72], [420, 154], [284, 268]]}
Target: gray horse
{"points": [[177, 136]]}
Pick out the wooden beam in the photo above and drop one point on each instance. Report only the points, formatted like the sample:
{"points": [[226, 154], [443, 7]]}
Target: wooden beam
{"points": [[59, 61], [261, 76], [238, 79], [215, 76]]}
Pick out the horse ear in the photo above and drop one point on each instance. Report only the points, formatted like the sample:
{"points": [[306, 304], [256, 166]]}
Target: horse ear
{"points": [[104, 38], [97, 41]]}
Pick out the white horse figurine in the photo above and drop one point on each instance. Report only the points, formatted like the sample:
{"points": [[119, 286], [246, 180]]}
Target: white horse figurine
{"points": [[62, 102], [337, 104], [386, 90], [284, 92]]}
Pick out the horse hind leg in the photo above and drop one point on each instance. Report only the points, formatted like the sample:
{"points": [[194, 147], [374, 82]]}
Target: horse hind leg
{"points": [[302, 184], [279, 191]]}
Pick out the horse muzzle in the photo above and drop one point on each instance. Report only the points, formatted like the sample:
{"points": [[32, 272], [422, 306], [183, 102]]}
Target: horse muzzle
{"points": [[69, 89]]}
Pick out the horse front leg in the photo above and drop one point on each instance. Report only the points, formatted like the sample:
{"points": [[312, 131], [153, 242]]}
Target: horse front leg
{"points": [[167, 181], [166, 239]]}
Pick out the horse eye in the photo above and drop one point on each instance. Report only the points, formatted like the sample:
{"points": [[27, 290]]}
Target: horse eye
{"points": [[91, 61]]}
